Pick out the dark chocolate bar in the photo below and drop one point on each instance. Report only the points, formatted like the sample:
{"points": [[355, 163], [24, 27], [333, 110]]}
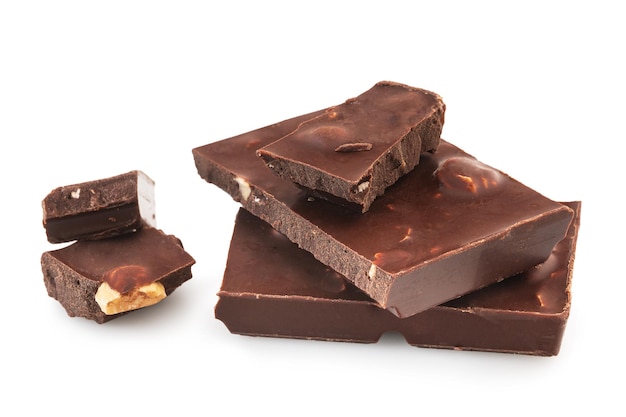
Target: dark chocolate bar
{"points": [[355, 150], [99, 209], [451, 213], [273, 288], [103, 279]]}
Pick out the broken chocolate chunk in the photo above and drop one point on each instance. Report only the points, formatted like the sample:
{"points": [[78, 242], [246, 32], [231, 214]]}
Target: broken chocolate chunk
{"points": [[393, 122], [99, 209], [273, 288], [450, 213], [105, 278]]}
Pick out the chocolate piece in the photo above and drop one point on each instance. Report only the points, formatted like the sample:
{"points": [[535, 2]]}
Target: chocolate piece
{"points": [[273, 288], [99, 209], [356, 150], [102, 279], [450, 213]]}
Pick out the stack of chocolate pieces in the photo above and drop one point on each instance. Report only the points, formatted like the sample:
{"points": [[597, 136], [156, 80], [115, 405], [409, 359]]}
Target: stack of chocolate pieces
{"points": [[358, 219], [118, 261]]}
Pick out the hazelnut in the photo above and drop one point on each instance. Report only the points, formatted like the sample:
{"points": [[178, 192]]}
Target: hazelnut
{"points": [[362, 186], [372, 272], [244, 188], [126, 288], [114, 302], [467, 177]]}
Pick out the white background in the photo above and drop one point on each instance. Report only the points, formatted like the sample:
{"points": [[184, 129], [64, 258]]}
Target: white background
{"points": [[94, 89]]}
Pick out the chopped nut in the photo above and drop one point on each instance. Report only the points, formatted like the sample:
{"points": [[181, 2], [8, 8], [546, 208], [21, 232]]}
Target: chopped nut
{"points": [[126, 288], [362, 186], [468, 181], [354, 147], [467, 177], [407, 236], [372, 272], [244, 188], [113, 302]]}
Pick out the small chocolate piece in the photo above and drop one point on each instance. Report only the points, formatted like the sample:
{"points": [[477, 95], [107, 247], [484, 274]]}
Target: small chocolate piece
{"points": [[450, 213], [273, 288], [102, 279], [99, 209], [356, 150]]}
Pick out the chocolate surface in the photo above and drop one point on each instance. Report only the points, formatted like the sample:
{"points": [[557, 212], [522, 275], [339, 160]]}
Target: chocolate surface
{"points": [[273, 288], [73, 274], [450, 214], [355, 150], [99, 209]]}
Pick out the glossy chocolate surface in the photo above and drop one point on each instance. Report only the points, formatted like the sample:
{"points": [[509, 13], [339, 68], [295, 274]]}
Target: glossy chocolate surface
{"points": [[450, 214], [99, 209], [273, 288], [73, 274], [355, 150]]}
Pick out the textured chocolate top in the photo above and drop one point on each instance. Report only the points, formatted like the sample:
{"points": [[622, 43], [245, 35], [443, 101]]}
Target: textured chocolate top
{"points": [[126, 261], [450, 213], [380, 117], [362, 146]]}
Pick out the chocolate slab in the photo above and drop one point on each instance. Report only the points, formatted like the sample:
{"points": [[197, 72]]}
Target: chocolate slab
{"points": [[451, 213], [99, 209], [273, 288], [76, 274], [355, 150]]}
